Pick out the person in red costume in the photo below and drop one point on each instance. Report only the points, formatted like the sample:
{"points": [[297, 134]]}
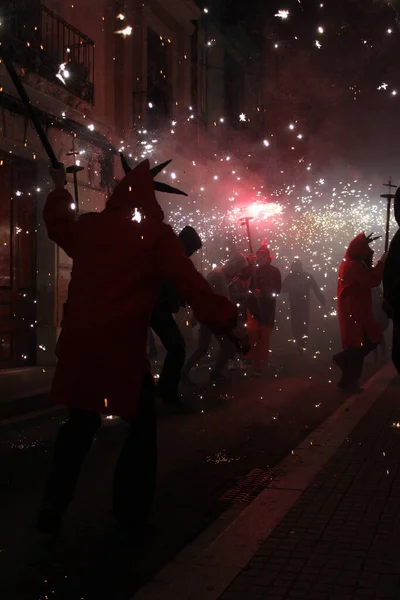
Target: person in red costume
{"points": [[360, 331], [120, 258]]}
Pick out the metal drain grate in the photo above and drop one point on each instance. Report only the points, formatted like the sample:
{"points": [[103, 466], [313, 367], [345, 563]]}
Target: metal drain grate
{"points": [[248, 488]]}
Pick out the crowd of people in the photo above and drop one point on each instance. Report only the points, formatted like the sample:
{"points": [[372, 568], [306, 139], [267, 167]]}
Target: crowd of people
{"points": [[253, 284], [122, 258]]}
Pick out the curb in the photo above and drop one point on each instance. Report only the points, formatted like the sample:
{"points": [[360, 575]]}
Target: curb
{"points": [[21, 406], [205, 568]]}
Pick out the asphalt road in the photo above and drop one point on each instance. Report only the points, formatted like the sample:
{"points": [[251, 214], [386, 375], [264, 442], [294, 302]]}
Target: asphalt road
{"points": [[243, 425]]}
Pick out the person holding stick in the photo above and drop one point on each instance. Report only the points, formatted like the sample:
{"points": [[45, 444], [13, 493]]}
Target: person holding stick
{"points": [[360, 331], [120, 258]]}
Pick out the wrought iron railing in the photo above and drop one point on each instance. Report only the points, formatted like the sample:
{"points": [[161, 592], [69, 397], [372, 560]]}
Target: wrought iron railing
{"points": [[44, 43]]}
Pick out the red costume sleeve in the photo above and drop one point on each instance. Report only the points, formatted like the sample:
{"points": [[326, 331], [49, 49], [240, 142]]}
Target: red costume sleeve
{"points": [[215, 311], [355, 273], [60, 220]]}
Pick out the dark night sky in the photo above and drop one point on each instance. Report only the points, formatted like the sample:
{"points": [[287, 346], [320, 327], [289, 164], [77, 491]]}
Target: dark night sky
{"points": [[330, 82]]}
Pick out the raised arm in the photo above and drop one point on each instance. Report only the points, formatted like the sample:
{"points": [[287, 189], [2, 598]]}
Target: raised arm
{"points": [[60, 219], [212, 309]]}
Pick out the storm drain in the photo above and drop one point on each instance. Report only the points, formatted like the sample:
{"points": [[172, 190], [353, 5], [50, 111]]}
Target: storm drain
{"points": [[250, 486]]}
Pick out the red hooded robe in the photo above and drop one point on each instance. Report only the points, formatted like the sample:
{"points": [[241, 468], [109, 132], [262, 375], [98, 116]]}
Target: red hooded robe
{"points": [[355, 285], [118, 266]]}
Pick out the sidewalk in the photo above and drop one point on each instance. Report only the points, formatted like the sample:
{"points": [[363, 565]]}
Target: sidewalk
{"points": [[327, 527], [23, 390], [341, 539]]}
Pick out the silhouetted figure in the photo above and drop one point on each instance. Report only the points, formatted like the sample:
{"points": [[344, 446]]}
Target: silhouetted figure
{"points": [[391, 285], [265, 287], [382, 319], [239, 293], [219, 279], [120, 257], [298, 285], [151, 345], [359, 329], [164, 325]]}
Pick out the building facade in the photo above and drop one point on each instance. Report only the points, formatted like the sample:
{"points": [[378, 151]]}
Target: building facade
{"points": [[102, 76]]}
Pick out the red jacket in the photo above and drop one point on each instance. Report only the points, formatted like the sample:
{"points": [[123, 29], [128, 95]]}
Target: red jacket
{"points": [[119, 263], [355, 285]]}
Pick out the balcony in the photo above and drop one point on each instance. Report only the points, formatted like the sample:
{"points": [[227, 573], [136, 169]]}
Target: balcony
{"points": [[45, 44]]}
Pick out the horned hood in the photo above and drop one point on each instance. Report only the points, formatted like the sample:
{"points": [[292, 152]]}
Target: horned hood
{"points": [[136, 191], [358, 248]]}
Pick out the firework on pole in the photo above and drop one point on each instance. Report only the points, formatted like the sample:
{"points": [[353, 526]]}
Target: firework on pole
{"points": [[388, 197]]}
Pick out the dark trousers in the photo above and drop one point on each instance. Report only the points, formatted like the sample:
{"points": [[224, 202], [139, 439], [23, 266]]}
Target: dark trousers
{"points": [[135, 473], [227, 350], [380, 351], [164, 325], [299, 317], [351, 362], [151, 344]]}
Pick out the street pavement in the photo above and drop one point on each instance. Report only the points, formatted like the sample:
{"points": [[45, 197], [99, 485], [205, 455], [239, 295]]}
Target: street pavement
{"points": [[340, 540], [228, 432]]}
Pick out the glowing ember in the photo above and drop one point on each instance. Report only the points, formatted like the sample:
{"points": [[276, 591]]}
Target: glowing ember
{"points": [[282, 14], [126, 31], [63, 73]]}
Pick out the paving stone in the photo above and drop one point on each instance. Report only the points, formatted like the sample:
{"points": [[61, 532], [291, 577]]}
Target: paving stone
{"points": [[340, 541]]}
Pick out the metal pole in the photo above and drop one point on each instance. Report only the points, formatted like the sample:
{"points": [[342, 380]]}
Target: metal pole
{"points": [[30, 111], [388, 197], [246, 221], [74, 169]]}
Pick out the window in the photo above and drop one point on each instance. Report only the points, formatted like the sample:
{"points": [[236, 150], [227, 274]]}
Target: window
{"points": [[159, 89]]}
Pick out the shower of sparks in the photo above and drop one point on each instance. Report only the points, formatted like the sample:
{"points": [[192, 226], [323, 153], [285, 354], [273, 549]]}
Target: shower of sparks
{"points": [[315, 221], [260, 210]]}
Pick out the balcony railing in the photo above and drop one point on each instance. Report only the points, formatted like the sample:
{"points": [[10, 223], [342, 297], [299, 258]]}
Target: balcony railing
{"points": [[46, 44]]}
